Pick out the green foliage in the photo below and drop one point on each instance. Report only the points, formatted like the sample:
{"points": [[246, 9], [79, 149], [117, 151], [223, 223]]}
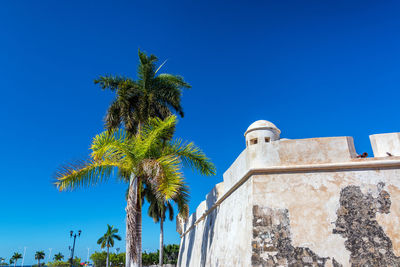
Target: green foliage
{"points": [[60, 263], [170, 255], [150, 258], [118, 260], [99, 259]]}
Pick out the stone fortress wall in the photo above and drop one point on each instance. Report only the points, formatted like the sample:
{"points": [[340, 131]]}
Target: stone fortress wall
{"points": [[304, 202]]}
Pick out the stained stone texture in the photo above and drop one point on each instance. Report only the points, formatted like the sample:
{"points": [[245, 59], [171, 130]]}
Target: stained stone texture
{"points": [[272, 244], [300, 202], [356, 222]]}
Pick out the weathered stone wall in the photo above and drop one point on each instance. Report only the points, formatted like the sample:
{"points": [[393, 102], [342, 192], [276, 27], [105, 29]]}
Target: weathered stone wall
{"points": [[329, 212], [309, 202], [209, 239]]}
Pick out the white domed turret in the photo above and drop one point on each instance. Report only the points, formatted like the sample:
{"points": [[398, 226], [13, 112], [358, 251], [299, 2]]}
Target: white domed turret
{"points": [[261, 131]]}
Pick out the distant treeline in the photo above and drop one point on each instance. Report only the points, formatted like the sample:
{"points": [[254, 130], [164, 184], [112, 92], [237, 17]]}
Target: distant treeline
{"points": [[148, 258]]}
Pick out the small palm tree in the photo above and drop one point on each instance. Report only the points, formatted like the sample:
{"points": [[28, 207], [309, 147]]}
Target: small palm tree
{"points": [[39, 255], [2, 260], [107, 240], [58, 256], [16, 257], [11, 261]]}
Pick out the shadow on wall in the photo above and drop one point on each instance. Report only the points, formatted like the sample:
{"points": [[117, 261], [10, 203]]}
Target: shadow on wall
{"points": [[187, 244], [209, 225], [189, 247]]}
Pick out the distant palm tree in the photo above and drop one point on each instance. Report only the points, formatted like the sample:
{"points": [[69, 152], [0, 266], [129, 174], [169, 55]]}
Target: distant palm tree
{"points": [[39, 255], [107, 240], [151, 95], [2, 260], [11, 261], [58, 256], [16, 257]]}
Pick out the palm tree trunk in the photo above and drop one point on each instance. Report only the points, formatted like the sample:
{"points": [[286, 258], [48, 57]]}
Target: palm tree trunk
{"points": [[139, 225], [132, 241], [15, 263], [108, 253], [127, 239], [160, 261]]}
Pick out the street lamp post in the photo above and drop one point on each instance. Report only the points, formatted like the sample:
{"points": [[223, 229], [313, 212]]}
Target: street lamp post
{"points": [[71, 233]]}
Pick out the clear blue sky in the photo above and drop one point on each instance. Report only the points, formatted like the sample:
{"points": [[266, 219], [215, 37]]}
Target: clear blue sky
{"points": [[314, 68]]}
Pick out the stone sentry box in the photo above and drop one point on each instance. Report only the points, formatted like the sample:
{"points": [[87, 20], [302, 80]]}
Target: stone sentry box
{"points": [[303, 202]]}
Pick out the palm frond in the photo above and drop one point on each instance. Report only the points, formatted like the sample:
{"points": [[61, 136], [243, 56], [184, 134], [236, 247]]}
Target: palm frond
{"points": [[113, 120], [170, 211], [84, 173], [155, 131], [191, 156], [110, 82], [174, 80], [111, 145], [182, 201], [172, 178], [117, 236]]}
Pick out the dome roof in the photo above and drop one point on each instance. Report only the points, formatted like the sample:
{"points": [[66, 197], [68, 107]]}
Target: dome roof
{"points": [[262, 124]]}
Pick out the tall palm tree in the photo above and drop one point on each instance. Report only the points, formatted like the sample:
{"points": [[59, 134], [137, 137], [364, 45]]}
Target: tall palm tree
{"points": [[150, 157], [58, 256], [39, 255], [153, 94], [107, 240], [159, 207], [16, 257]]}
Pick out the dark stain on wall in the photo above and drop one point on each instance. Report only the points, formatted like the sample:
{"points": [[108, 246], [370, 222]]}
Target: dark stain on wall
{"points": [[272, 244], [356, 222]]}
